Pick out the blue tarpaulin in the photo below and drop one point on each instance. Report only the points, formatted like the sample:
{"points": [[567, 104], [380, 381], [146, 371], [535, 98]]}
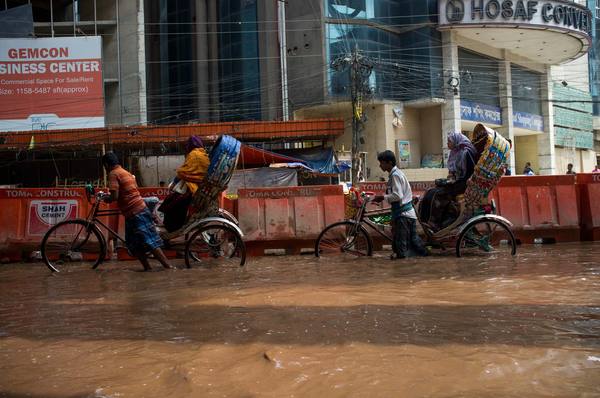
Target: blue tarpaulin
{"points": [[321, 160], [318, 160]]}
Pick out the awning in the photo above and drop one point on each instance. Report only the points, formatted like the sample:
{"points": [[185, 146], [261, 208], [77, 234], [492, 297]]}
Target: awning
{"points": [[318, 160], [257, 131], [251, 157], [321, 160]]}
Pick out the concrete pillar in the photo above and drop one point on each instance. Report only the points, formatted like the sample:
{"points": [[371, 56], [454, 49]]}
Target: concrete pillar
{"points": [[268, 48], [141, 35], [506, 103], [201, 67], [451, 117], [213, 54], [545, 141]]}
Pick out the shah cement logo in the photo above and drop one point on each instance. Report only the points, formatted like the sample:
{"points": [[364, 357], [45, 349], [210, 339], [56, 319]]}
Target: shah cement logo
{"points": [[455, 10], [45, 213]]}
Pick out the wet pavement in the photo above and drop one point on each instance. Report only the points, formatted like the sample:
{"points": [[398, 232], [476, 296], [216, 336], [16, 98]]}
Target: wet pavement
{"points": [[527, 326]]}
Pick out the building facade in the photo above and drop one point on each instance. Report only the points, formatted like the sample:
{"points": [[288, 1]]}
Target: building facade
{"points": [[438, 66], [435, 66], [120, 24]]}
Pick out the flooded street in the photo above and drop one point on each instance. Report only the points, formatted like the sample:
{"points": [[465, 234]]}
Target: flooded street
{"points": [[527, 326]]}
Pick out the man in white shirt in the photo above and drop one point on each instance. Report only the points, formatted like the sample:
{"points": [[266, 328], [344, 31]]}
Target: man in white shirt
{"points": [[404, 217]]}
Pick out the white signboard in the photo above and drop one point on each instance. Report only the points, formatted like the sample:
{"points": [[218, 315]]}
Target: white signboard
{"points": [[53, 83], [43, 214], [557, 15]]}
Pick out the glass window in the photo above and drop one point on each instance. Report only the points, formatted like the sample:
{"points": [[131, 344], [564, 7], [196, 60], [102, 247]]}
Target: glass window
{"points": [[385, 12], [401, 36], [526, 90], [478, 78], [239, 66], [172, 89], [407, 66], [349, 9]]}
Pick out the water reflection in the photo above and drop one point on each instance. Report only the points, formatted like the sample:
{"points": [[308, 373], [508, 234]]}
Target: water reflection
{"points": [[297, 326]]}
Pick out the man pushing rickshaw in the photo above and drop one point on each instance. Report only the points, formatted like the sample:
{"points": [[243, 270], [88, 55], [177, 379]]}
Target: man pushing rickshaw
{"points": [[455, 212]]}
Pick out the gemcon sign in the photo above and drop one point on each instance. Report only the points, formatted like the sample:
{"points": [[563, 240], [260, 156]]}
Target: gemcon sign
{"points": [[558, 15], [51, 83]]}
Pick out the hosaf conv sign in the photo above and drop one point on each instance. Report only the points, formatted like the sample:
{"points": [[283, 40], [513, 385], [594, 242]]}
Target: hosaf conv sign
{"points": [[553, 14]]}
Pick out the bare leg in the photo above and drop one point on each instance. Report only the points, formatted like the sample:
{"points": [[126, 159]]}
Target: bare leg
{"points": [[160, 256], [144, 260]]}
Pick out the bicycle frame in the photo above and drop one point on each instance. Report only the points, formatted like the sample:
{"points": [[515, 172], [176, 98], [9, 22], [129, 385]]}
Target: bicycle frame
{"points": [[96, 212], [361, 219], [92, 218]]}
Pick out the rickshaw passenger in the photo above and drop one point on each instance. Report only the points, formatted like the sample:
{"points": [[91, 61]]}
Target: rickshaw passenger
{"points": [[461, 165], [195, 167], [189, 175]]}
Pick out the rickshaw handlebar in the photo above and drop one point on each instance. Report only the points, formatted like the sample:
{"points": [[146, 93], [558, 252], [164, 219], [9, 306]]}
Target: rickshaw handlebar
{"points": [[102, 196]]}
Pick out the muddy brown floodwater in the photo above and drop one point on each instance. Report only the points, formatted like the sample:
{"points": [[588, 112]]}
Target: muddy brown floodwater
{"points": [[527, 326]]}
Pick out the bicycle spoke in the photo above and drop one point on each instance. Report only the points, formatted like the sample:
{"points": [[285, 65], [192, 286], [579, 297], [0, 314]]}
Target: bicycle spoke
{"points": [[70, 244], [486, 238], [215, 245], [342, 239]]}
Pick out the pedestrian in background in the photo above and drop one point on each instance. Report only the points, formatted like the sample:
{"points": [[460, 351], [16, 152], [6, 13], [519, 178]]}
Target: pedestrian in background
{"points": [[596, 170], [570, 169], [528, 171]]}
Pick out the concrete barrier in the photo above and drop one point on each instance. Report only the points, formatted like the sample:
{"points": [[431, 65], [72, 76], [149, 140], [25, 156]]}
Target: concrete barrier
{"points": [[588, 188], [28, 213], [540, 207], [287, 219]]}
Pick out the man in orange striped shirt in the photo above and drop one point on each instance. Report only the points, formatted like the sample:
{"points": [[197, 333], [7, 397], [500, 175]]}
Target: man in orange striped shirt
{"points": [[140, 232]]}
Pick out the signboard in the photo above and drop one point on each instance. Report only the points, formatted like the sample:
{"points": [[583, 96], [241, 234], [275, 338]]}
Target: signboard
{"points": [[403, 153], [483, 113], [573, 138], [381, 187], [556, 14], [53, 83], [290, 192], [43, 214], [528, 121], [42, 193]]}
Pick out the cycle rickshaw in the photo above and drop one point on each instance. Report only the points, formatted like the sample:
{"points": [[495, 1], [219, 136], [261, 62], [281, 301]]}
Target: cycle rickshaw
{"points": [[474, 229], [211, 235]]}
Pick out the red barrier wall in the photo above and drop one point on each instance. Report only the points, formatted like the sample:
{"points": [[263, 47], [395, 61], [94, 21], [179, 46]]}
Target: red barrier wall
{"points": [[540, 207], [418, 187], [588, 187], [288, 214], [28, 213]]}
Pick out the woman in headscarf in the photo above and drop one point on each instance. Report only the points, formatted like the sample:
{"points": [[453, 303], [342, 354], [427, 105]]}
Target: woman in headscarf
{"points": [[195, 167], [192, 172], [461, 165], [461, 161]]}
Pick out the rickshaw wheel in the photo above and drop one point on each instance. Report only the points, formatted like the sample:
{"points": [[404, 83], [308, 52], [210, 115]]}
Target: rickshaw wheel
{"points": [[344, 238], [486, 237], [215, 245]]}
